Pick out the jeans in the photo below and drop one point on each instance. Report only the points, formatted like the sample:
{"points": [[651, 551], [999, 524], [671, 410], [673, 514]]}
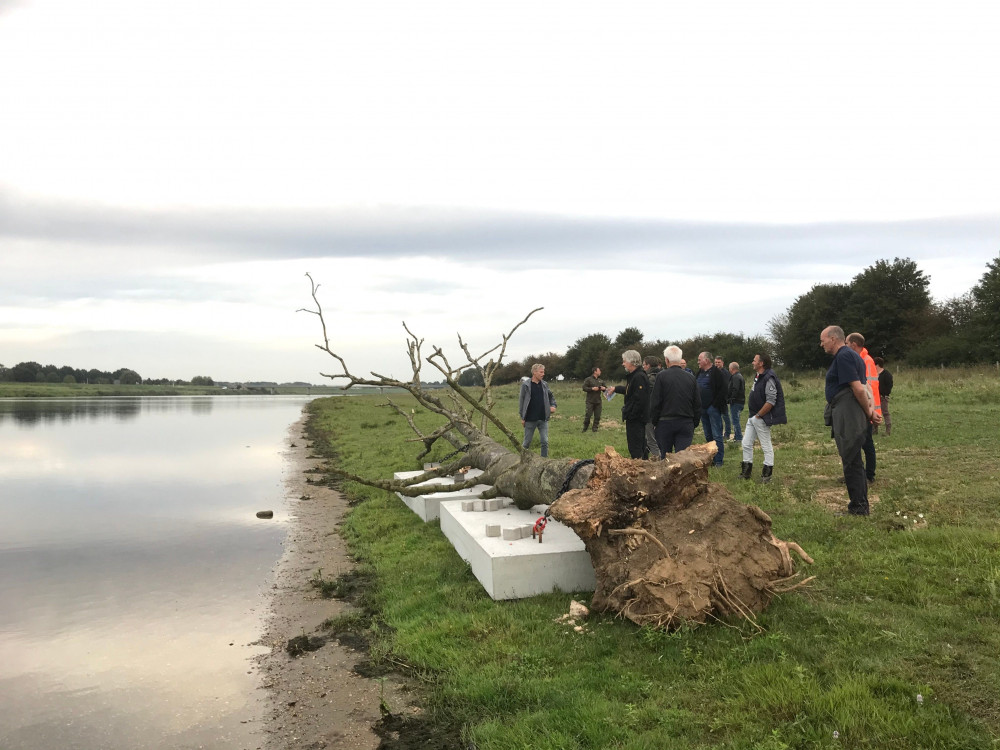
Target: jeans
{"points": [[734, 414], [542, 425], [758, 429], [711, 424], [727, 424], [674, 435]]}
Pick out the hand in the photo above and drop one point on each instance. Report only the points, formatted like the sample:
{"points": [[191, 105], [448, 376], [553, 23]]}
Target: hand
{"points": [[552, 410], [877, 418], [596, 388]]}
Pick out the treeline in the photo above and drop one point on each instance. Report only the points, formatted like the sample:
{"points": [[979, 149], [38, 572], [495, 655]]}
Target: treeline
{"points": [[888, 302], [890, 305], [32, 372]]}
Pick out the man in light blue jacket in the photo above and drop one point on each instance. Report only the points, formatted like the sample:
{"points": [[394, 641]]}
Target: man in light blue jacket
{"points": [[535, 405]]}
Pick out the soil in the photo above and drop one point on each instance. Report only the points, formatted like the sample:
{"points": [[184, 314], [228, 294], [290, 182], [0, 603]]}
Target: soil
{"points": [[315, 698]]}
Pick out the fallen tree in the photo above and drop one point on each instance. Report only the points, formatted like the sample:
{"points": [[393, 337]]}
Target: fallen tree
{"points": [[667, 545]]}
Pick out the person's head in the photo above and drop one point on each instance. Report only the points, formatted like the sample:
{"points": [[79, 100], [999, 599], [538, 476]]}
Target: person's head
{"points": [[673, 356], [761, 362], [879, 362], [537, 371], [684, 363], [831, 339], [856, 341], [596, 372], [650, 363], [734, 367], [719, 361], [705, 360], [631, 359]]}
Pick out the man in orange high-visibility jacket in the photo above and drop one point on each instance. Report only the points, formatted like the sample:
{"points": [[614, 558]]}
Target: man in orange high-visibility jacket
{"points": [[857, 342]]}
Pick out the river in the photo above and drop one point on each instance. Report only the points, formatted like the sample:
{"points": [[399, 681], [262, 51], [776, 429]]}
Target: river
{"points": [[134, 571]]}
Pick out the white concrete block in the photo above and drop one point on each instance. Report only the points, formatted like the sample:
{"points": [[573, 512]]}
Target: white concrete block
{"points": [[493, 504], [492, 529], [478, 505], [510, 533], [515, 569], [526, 530], [426, 506], [468, 505]]}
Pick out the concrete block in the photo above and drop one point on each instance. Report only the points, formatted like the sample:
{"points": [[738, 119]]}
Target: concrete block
{"points": [[511, 533], [514, 569], [426, 506], [467, 505], [493, 504], [492, 529], [479, 505], [526, 530]]}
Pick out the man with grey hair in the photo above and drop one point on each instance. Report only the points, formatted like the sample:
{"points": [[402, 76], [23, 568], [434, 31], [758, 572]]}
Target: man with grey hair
{"points": [[675, 405], [635, 410], [535, 405], [849, 409]]}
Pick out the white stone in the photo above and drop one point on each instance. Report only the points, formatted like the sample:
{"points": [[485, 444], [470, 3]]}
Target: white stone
{"points": [[492, 529], [493, 504], [509, 570], [467, 505], [479, 505], [511, 533], [427, 506]]}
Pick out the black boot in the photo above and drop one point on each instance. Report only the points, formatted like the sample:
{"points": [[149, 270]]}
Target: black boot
{"points": [[586, 425], [746, 469], [765, 474]]}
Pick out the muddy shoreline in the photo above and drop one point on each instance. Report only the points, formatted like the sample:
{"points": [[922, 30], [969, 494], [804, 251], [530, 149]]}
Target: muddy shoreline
{"points": [[315, 699]]}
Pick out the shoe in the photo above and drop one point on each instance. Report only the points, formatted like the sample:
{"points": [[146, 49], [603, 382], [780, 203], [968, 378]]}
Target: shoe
{"points": [[594, 430], [765, 474], [746, 469], [586, 427]]}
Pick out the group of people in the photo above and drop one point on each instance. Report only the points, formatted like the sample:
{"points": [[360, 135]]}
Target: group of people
{"points": [[663, 405]]}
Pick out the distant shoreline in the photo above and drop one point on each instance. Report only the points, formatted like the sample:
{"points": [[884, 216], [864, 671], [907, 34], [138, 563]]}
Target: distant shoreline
{"points": [[83, 390]]}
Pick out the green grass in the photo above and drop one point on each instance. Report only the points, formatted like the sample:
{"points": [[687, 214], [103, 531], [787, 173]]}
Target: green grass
{"points": [[898, 609]]}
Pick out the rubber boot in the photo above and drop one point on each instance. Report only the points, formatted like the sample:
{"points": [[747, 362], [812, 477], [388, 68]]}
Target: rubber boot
{"points": [[746, 469], [765, 474]]}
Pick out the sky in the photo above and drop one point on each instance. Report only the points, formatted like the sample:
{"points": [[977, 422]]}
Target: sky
{"points": [[170, 171]]}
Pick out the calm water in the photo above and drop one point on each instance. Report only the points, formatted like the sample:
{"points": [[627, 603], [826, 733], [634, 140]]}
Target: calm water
{"points": [[133, 570]]}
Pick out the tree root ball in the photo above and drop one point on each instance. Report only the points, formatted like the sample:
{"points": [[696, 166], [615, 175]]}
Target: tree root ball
{"points": [[671, 548]]}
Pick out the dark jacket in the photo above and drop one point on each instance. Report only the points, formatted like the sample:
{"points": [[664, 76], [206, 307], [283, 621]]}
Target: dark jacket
{"points": [[636, 391], [737, 389], [758, 399], [593, 397], [885, 382], [716, 389], [675, 396]]}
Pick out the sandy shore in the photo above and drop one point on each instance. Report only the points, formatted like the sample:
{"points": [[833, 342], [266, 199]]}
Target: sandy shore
{"points": [[314, 700]]}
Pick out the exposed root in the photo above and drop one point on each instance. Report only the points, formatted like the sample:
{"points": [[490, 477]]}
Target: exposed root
{"points": [[639, 532]]}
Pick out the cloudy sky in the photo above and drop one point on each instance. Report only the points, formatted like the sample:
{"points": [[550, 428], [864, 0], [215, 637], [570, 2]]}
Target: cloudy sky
{"points": [[169, 171]]}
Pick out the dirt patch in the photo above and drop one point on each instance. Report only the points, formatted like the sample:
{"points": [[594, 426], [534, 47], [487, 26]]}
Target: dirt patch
{"points": [[315, 697]]}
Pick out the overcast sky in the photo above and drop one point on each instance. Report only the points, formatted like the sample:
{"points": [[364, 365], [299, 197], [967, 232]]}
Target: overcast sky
{"points": [[169, 171]]}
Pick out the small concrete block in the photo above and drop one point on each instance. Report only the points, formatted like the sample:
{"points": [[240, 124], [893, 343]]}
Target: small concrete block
{"points": [[429, 466], [526, 530], [479, 505], [467, 505], [493, 504], [511, 533], [492, 529]]}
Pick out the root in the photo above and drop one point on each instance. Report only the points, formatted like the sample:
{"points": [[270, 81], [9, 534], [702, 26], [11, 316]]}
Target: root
{"points": [[786, 589], [640, 532]]}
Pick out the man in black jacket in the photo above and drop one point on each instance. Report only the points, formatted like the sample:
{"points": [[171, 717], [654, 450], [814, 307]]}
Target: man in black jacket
{"points": [[635, 410], [674, 406], [712, 390]]}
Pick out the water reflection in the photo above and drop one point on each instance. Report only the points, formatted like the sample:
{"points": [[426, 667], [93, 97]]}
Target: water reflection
{"points": [[130, 560]]}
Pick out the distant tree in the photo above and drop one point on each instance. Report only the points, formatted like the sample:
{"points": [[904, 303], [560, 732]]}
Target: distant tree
{"points": [[26, 372], [69, 380], [586, 353], [796, 334], [202, 380], [630, 338], [890, 304], [984, 320], [470, 377], [126, 376]]}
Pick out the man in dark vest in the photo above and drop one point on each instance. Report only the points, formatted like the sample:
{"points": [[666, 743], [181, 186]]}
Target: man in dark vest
{"points": [[766, 409], [535, 405]]}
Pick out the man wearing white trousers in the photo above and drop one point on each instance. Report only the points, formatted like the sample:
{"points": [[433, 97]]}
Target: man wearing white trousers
{"points": [[766, 408]]}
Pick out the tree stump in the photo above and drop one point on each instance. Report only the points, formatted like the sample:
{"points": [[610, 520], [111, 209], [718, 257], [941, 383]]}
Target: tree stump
{"points": [[670, 547]]}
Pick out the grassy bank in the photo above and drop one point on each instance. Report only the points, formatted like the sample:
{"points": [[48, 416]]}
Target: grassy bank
{"points": [[899, 609]]}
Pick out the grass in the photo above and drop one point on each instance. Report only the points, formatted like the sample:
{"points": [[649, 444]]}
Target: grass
{"points": [[898, 609]]}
